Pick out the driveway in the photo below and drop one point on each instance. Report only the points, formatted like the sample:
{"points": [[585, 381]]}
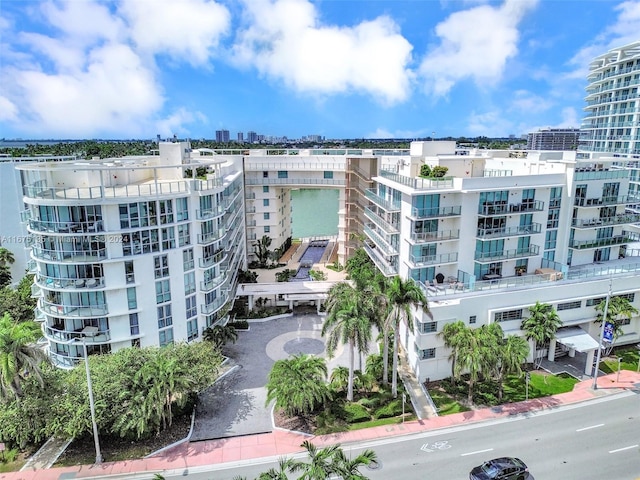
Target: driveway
{"points": [[235, 405]]}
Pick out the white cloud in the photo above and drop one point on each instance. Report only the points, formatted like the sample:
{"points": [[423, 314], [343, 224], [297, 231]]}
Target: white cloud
{"points": [[492, 123], [8, 110], [174, 123], [285, 40], [187, 30], [528, 102], [474, 44]]}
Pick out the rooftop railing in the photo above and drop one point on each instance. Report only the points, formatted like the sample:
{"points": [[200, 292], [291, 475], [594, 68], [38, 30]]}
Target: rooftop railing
{"points": [[421, 260], [509, 231], [491, 256], [418, 183], [439, 236], [452, 211]]}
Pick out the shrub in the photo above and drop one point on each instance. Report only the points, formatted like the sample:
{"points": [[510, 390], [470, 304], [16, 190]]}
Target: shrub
{"points": [[356, 413], [239, 325], [391, 409]]}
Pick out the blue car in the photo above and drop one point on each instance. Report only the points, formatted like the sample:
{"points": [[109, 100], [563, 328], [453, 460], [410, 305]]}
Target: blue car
{"points": [[503, 468]]}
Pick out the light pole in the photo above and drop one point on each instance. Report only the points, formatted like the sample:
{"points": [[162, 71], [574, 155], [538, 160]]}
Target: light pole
{"points": [[604, 322], [91, 403]]}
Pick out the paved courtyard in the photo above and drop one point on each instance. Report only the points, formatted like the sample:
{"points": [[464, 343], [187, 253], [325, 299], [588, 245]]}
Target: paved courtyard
{"points": [[235, 405]]}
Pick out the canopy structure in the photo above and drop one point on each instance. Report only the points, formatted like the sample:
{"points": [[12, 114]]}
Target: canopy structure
{"points": [[576, 338]]}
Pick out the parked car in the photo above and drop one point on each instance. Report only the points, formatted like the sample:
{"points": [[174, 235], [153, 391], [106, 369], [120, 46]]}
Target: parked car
{"points": [[503, 468]]}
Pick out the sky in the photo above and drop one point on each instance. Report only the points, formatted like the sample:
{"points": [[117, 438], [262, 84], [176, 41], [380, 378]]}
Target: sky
{"points": [[129, 69]]}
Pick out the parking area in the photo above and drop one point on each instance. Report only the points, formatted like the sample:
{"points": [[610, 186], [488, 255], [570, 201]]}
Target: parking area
{"points": [[235, 405]]}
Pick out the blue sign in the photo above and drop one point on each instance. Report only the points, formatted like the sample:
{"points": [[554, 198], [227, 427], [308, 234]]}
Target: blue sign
{"points": [[607, 334]]}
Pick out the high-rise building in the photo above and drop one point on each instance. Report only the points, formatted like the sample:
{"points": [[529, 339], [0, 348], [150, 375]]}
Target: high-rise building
{"points": [[222, 136], [554, 139], [240, 137], [252, 137]]}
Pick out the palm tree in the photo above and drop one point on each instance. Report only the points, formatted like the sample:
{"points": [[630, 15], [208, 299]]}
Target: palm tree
{"points": [[618, 310], [339, 379], [284, 465], [450, 334], [298, 384], [262, 249], [470, 357], [403, 295], [6, 257], [541, 327], [349, 469], [220, 335], [512, 354], [347, 322], [322, 463]]}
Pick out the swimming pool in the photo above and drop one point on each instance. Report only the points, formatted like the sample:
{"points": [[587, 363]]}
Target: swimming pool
{"points": [[311, 255]]}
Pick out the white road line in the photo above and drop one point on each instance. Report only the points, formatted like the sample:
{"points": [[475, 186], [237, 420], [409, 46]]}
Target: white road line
{"points": [[623, 449], [589, 428], [477, 451]]}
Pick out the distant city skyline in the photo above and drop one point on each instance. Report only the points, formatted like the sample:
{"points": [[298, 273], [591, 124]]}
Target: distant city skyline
{"points": [[348, 69]]}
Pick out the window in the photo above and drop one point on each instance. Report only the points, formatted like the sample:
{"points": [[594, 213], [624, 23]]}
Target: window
{"points": [[472, 319], [131, 298], [267, 229], [164, 316], [189, 283], [191, 306], [163, 291], [265, 189], [184, 237], [134, 324], [192, 329], [266, 216], [187, 259], [283, 174], [426, 354], [168, 238], [569, 305], [182, 209], [165, 337], [328, 174], [265, 202], [161, 266], [508, 315], [627, 296], [166, 212], [135, 343], [592, 302], [128, 271], [265, 174], [428, 327]]}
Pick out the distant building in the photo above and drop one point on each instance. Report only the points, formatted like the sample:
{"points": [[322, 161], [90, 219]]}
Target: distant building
{"points": [[252, 137], [240, 137], [222, 136], [554, 139]]}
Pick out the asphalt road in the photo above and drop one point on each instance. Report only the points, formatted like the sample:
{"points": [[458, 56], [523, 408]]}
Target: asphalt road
{"points": [[595, 440]]}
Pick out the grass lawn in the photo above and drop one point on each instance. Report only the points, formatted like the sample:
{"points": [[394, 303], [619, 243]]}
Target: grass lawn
{"points": [[629, 356], [446, 404]]}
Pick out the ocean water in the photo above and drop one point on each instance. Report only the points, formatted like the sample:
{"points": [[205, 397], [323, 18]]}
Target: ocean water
{"points": [[314, 212]]}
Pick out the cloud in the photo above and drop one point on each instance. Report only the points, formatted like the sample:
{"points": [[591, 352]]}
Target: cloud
{"points": [[528, 102], [91, 68], [185, 30], [474, 44], [286, 41]]}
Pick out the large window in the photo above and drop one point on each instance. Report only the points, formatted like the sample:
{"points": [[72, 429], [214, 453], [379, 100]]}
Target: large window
{"points": [[165, 337], [161, 266], [165, 319], [184, 237], [192, 329], [166, 211], [182, 209], [131, 298], [163, 291], [189, 283], [191, 306], [168, 238], [508, 315], [569, 305], [187, 259], [426, 354], [134, 324], [135, 215], [428, 327]]}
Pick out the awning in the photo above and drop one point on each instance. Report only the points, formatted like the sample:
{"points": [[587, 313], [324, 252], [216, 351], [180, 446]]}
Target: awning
{"points": [[575, 337]]}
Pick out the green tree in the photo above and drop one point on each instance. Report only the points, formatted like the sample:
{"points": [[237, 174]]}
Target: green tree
{"points": [[17, 302], [6, 257], [541, 326], [339, 379], [220, 335], [298, 384], [403, 295], [349, 469], [262, 249], [19, 357], [618, 310], [449, 334], [512, 355], [470, 357], [348, 323]]}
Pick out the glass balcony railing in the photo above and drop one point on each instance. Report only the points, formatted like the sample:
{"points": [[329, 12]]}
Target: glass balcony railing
{"points": [[509, 231], [66, 227], [215, 305], [625, 237], [418, 183], [620, 219], [88, 311], [421, 260], [208, 285], [296, 181], [205, 238], [384, 265], [439, 236], [211, 260], [453, 211], [59, 334], [380, 222], [593, 174], [79, 255], [389, 206], [380, 242], [530, 251], [53, 283], [605, 201]]}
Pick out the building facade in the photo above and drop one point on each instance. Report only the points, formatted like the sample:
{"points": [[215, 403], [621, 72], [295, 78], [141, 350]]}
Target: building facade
{"points": [[554, 139]]}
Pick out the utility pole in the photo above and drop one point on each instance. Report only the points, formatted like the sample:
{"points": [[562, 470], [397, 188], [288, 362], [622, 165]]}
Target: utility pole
{"points": [[604, 322]]}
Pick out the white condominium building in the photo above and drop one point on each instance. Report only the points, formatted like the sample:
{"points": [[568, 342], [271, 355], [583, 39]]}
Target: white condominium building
{"points": [[133, 251]]}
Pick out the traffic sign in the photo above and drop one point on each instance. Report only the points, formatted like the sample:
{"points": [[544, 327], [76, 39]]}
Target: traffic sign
{"points": [[607, 333]]}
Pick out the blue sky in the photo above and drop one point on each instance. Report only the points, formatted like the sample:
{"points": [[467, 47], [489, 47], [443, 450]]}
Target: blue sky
{"points": [[338, 68]]}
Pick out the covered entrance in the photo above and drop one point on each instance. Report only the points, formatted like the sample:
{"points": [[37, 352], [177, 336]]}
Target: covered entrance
{"points": [[576, 340]]}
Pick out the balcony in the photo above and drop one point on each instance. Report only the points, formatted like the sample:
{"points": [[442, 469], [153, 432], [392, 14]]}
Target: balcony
{"points": [[626, 237], [72, 256], [420, 261], [289, 181], [208, 285], [488, 257], [210, 237], [385, 265], [430, 237], [212, 260], [582, 174], [527, 207], [209, 213], [53, 283], [606, 201], [419, 213], [620, 219], [418, 183], [389, 206], [58, 334], [491, 209], [380, 222], [87, 311], [40, 226], [215, 305], [502, 232], [380, 242]]}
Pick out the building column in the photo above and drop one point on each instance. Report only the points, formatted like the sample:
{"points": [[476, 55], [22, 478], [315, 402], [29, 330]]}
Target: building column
{"points": [[318, 304], [551, 355], [291, 305], [589, 365], [250, 298], [572, 353]]}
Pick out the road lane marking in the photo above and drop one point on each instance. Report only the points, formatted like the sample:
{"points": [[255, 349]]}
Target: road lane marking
{"points": [[623, 449], [476, 452], [589, 428]]}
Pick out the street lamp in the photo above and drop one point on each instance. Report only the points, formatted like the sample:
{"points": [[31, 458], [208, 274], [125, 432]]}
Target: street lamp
{"points": [[91, 332], [604, 322]]}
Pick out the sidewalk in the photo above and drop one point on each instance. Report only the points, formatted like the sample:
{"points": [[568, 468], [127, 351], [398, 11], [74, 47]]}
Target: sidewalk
{"points": [[278, 442]]}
